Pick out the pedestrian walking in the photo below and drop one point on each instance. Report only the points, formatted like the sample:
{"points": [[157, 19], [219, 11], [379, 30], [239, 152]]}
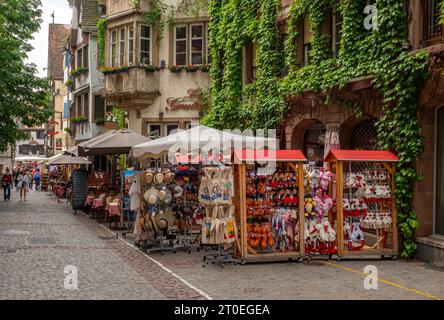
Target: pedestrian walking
{"points": [[30, 179], [6, 184], [16, 178], [23, 183], [37, 179]]}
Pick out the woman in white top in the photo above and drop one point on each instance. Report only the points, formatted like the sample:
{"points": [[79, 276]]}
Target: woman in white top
{"points": [[23, 183]]}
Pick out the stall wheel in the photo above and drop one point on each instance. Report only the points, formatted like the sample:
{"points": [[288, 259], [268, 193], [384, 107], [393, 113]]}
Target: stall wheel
{"points": [[300, 260], [394, 257], [338, 259], [189, 250]]}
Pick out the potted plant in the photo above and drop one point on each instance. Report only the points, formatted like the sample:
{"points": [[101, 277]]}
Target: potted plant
{"points": [[191, 68], [67, 130], [205, 68], [151, 68], [69, 83], [176, 69], [100, 122]]}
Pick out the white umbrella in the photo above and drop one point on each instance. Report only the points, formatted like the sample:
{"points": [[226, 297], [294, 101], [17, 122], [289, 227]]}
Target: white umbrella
{"points": [[68, 159], [199, 138], [29, 158]]}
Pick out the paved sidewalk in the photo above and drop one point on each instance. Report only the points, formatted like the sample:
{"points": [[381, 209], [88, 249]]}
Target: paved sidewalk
{"points": [[40, 237]]}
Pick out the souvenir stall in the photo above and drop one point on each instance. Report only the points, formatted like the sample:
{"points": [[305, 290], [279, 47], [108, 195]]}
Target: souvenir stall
{"points": [[366, 215], [269, 204]]}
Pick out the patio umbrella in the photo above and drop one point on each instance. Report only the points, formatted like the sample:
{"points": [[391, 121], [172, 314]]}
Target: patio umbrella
{"points": [[199, 138], [113, 142], [68, 159]]}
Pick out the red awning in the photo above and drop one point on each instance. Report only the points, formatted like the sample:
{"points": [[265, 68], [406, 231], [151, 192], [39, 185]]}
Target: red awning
{"points": [[269, 155], [362, 155]]}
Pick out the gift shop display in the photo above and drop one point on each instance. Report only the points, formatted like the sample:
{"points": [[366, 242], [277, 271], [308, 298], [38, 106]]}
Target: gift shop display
{"points": [[219, 227], [189, 213], [319, 234], [271, 204], [365, 207]]}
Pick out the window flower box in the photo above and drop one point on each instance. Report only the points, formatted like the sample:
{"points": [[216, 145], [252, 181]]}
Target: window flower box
{"points": [[191, 68], [176, 69], [204, 68]]}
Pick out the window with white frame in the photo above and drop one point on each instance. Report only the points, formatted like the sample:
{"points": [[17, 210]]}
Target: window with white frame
{"points": [[145, 45], [130, 45], [154, 131], [122, 46], [113, 48], [191, 44], [207, 45], [196, 44], [337, 20], [180, 52]]}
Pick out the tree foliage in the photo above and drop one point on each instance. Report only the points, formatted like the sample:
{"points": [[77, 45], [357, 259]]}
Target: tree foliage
{"points": [[24, 97]]}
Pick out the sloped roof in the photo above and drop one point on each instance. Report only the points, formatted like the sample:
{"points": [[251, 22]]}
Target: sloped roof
{"points": [[90, 15], [57, 35], [362, 155]]}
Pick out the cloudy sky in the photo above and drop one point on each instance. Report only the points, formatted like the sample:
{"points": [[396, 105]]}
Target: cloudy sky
{"points": [[63, 14]]}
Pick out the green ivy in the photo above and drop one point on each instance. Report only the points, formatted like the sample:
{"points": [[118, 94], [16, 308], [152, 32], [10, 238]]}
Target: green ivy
{"points": [[101, 36], [398, 75]]}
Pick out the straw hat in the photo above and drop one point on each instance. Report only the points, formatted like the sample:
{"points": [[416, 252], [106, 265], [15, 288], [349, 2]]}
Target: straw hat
{"points": [[163, 219], [151, 196], [178, 191], [149, 177], [158, 178], [168, 177], [165, 196]]}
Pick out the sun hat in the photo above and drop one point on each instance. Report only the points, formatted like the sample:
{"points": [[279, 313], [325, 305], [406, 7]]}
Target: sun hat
{"points": [[149, 177], [178, 191], [165, 196], [163, 220], [168, 176], [151, 196], [158, 178]]}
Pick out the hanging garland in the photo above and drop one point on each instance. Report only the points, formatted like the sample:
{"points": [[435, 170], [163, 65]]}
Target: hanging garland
{"points": [[101, 35], [398, 75]]}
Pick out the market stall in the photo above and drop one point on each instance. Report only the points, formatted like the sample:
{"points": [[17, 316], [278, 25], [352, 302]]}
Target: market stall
{"points": [[366, 214], [269, 204]]}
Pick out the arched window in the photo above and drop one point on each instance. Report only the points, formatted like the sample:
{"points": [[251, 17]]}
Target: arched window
{"points": [[439, 209], [314, 143], [364, 136]]}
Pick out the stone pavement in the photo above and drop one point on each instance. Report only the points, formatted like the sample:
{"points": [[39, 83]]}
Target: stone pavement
{"points": [[38, 238]]}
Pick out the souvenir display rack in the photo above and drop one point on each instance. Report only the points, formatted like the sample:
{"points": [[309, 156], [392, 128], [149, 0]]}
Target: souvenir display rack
{"points": [[189, 213], [365, 208], [162, 238], [319, 234], [270, 205], [219, 228]]}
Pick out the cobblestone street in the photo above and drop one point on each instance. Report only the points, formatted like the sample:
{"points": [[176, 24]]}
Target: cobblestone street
{"points": [[40, 237]]}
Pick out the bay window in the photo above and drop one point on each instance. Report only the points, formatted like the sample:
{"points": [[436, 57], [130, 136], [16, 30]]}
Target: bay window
{"points": [[113, 51], [145, 45], [130, 45], [122, 46]]}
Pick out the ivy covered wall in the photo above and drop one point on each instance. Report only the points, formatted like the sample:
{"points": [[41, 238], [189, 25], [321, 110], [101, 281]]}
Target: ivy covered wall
{"points": [[398, 75]]}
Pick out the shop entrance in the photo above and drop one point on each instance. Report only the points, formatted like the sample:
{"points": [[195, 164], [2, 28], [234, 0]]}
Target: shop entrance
{"points": [[439, 208]]}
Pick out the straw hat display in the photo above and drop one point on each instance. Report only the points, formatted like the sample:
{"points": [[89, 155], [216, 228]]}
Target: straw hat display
{"points": [[151, 196]]}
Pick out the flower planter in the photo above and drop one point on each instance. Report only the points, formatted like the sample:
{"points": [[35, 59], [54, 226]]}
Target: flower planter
{"points": [[191, 70]]}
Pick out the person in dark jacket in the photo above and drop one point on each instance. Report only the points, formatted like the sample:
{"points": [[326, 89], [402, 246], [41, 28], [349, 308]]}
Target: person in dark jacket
{"points": [[6, 184]]}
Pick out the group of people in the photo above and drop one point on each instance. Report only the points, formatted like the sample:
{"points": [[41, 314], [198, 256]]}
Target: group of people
{"points": [[22, 179]]}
